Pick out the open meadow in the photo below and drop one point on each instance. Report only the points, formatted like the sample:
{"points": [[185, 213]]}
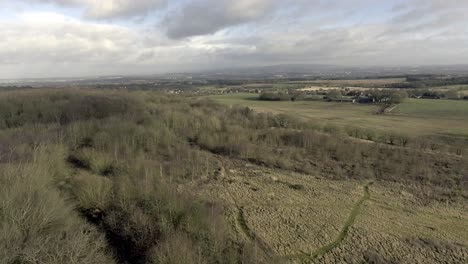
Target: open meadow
{"points": [[369, 83], [414, 117]]}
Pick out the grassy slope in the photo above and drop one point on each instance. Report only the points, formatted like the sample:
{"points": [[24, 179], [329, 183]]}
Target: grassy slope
{"points": [[349, 222], [414, 117], [325, 221], [343, 232]]}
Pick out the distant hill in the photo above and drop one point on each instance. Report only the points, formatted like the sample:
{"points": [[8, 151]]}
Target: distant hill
{"points": [[290, 71], [335, 71]]}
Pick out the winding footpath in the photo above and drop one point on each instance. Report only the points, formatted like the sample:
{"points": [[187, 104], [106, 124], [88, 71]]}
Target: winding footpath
{"points": [[343, 233], [242, 226]]}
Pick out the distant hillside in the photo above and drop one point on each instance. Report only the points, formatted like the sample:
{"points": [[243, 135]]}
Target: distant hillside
{"points": [[335, 71]]}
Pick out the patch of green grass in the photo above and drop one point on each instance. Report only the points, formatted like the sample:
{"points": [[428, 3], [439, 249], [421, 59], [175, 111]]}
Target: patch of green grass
{"points": [[427, 108], [414, 117]]}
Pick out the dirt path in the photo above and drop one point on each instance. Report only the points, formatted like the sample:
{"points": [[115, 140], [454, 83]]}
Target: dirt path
{"points": [[241, 222], [387, 109], [343, 233], [245, 230], [391, 108]]}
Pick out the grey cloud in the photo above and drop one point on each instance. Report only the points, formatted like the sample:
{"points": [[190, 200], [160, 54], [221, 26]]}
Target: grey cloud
{"points": [[208, 16], [203, 17]]}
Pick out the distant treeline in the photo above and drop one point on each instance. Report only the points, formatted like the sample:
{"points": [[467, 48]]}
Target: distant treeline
{"points": [[428, 81], [14, 87], [369, 96]]}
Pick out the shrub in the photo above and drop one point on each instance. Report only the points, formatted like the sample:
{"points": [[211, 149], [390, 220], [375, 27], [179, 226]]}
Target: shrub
{"points": [[98, 162], [38, 106], [268, 96], [37, 225], [91, 191], [177, 248]]}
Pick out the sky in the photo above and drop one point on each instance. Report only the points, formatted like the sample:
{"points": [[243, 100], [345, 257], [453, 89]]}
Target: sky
{"points": [[72, 38]]}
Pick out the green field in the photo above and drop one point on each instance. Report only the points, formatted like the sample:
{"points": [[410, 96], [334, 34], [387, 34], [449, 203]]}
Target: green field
{"points": [[425, 108], [414, 117]]}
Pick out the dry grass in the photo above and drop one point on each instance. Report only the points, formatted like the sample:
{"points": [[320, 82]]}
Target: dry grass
{"points": [[282, 209], [91, 191], [292, 220], [397, 229]]}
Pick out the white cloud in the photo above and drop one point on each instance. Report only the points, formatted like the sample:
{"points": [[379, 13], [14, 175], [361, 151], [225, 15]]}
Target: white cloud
{"points": [[108, 9], [42, 44], [57, 38]]}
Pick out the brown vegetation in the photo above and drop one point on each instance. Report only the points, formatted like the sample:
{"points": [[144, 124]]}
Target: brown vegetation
{"points": [[97, 177]]}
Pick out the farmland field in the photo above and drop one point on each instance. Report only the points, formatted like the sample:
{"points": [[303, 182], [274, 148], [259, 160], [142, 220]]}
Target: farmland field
{"points": [[426, 108], [414, 117], [359, 82]]}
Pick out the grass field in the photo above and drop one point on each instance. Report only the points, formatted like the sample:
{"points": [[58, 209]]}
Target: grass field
{"points": [[361, 82], [414, 117], [447, 109]]}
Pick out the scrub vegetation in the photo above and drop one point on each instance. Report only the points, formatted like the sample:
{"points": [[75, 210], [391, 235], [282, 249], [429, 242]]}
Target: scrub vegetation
{"points": [[91, 176]]}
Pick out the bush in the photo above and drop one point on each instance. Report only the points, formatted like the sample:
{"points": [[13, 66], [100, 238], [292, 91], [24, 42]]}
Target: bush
{"points": [[267, 96], [38, 226], [90, 191], [31, 106], [98, 162], [177, 248]]}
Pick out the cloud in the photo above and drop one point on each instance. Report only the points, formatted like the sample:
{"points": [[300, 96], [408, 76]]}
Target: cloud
{"points": [[57, 38], [208, 16], [203, 34], [203, 17], [50, 44], [109, 9], [41, 44]]}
